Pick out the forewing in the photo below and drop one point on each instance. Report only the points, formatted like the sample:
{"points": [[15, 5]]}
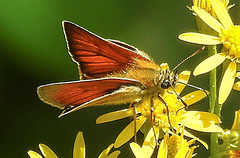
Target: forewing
{"points": [[96, 56], [69, 95]]}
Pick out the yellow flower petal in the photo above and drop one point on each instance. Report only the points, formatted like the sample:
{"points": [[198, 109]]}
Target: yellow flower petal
{"points": [[221, 13], [227, 82], [33, 154], [199, 38], [183, 78], [186, 133], [236, 86], [238, 74], [163, 149], [236, 123], [104, 153], [47, 152], [114, 154], [149, 143], [203, 116], [201, 121], [137, 150], [116, 115], [194, 97], [182, 151], [208, 19], [209, 64], [79, 146], [190, 153], [128, 132]]}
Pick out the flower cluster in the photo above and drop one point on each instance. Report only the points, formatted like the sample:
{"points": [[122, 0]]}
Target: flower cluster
{"points": [[161, 119], [79, 150], [171, 146], [228, 35], [164, 119]]}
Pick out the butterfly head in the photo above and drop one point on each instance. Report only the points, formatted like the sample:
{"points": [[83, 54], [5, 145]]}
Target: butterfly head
{"points": [[170, 79]]}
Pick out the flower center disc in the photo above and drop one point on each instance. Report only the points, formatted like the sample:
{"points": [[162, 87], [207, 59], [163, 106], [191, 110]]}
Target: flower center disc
{"points": [[158, 113], [231, 41]]}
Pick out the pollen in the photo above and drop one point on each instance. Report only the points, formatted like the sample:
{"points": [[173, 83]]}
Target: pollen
{"points": [[231, 41], [174, 143], [160, 114]]}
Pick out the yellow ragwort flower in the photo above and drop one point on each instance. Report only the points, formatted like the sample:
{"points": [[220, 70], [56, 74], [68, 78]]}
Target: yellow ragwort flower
{"points": [[78, 151], [45, 150], [174, 146], [148, 145], [205, 5], [160, 117], [228, 35]]}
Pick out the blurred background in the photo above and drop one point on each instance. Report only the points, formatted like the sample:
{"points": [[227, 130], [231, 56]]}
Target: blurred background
{"points": [[33, 52]]}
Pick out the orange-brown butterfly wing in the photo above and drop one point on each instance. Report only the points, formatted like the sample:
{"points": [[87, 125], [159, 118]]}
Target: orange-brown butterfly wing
{"points": [[96, 56], [71, 95]]}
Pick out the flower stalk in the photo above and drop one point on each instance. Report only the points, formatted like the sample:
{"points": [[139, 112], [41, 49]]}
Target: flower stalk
{"points": [[214, 107], [212, 82]]}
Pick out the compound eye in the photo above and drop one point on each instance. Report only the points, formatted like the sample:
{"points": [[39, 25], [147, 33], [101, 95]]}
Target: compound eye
{"points": [[165, 84]]}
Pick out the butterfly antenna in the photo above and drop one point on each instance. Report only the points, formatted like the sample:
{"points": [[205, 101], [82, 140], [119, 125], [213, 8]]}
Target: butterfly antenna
{"points": [[168, 112], [195, 87], [186, 84], [179, 97], [195, 53]]}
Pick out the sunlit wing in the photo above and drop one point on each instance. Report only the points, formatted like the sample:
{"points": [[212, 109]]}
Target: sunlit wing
{"points": [[79, 94], [96, 56]]}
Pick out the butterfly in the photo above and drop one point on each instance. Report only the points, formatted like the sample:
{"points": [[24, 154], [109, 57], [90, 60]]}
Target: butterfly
{"points": [[111, 72]]}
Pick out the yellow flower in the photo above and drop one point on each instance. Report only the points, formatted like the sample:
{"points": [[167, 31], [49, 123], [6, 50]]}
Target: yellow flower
{"points": [[228, 35], [148, 145], [174, 146], [154, 114], [204, 4], [78, 151], [46, 151]]}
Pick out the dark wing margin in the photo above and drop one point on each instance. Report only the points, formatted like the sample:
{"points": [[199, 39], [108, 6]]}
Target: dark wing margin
{"points": [[69, 95], [96, 56]]}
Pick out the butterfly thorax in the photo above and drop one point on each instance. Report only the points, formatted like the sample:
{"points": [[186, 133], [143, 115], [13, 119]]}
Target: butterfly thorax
{"points": [[154, 80]]}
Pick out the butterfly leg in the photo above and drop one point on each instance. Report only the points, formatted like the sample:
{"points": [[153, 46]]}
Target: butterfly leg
{"points": [[180, 98], [134, 120], [168, 112], [133, 106], [195, 87], [152, 120]]}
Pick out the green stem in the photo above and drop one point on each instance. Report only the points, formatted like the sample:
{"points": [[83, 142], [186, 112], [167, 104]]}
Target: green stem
{"points": [[212, 82], [215, 108]]}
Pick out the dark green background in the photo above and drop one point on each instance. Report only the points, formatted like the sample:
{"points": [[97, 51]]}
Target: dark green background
{"points": [[33, 52]]}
